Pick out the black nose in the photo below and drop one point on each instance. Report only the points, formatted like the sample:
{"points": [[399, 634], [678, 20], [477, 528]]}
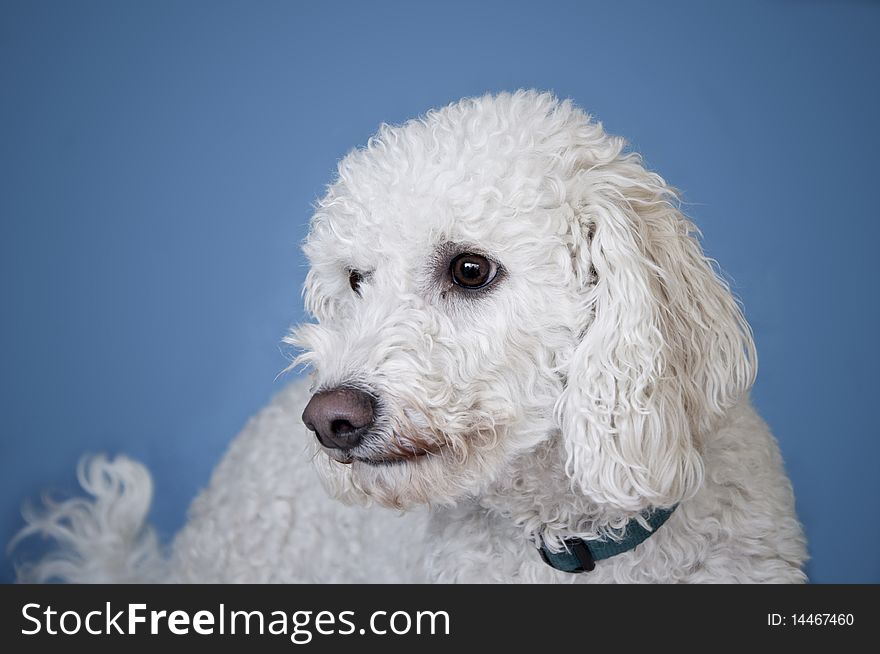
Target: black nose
{"points": [[339, 417]]}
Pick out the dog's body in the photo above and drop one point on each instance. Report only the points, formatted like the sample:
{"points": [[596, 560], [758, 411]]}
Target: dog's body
{"points": [[266, 517], [519, 342]]}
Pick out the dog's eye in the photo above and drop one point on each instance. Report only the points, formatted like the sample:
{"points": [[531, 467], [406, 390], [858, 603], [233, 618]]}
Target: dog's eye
{"points": [[472, 270], [355, 277]]}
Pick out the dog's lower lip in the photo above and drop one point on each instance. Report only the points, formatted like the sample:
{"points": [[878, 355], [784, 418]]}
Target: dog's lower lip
{"points": [[380, 462], [389, 460], [349, 459]]}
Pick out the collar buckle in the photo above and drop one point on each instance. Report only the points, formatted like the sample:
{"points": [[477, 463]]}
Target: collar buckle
{"points": [[576, 547]]}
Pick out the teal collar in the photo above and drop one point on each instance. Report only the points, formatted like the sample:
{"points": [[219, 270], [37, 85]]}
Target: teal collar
{"points": [[581, 555]]}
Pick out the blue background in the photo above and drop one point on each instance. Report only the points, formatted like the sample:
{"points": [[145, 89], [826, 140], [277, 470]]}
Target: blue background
{"points": [[159, 161]]}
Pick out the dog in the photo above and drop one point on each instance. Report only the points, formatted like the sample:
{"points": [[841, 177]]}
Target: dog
{"points": [[523, 369]]}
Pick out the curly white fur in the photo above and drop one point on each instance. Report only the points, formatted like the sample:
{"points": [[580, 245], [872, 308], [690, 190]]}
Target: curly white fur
{"points": [[105, 539], [604, 372]]}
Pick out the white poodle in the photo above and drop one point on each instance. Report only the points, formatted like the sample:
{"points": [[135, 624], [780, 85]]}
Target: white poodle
{"points": [[524, 369]]}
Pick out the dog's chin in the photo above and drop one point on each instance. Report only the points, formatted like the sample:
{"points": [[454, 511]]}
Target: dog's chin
{"points": [[394, 481], [413, 472]]}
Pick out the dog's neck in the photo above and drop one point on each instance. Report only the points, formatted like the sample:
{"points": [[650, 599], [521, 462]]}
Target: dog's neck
{"points": [[535, 493]]}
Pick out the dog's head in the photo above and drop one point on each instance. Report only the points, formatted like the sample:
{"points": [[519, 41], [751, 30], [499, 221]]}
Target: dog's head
{"points": [[499, 274]]}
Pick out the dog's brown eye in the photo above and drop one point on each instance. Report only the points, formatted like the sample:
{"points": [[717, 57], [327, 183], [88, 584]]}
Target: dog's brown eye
{"points": [[472, 270], [354, 280]]}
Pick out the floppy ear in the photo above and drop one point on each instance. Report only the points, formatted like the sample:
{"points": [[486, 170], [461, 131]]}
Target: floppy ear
{"points": [[664, 349]]}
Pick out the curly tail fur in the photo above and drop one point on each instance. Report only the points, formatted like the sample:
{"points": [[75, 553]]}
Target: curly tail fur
{"points": [[101, 539]]}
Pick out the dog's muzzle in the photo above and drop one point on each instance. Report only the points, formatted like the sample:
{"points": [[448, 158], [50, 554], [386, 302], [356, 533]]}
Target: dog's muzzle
{"points": [[340, 417]]}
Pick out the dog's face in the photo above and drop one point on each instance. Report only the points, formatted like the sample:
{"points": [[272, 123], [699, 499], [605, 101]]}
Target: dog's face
{"points": [[457, 279]]}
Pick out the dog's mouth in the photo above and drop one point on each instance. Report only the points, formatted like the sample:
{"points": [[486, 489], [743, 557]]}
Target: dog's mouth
{"points": [[345, 459], [397, 455]]}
